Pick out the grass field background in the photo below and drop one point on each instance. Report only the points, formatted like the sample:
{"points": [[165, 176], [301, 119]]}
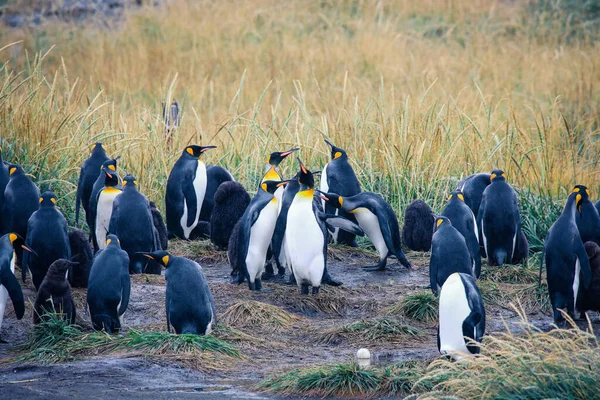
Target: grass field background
{"points": [[420, 94]]}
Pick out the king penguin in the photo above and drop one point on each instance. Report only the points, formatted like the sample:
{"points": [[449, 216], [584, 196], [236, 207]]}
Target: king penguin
{"points": [[256, 227], [21, 199], [339, 177], [131, 221], [472, 188], [47, 234], [566, 259], [90, 216], [306, 234], [4, 178], [87, 176], [449, 254], [377, 219], [499, 220], [588, 220], [461, 315], [104, 207], [189, 302], [9, 285], [463, 219]]}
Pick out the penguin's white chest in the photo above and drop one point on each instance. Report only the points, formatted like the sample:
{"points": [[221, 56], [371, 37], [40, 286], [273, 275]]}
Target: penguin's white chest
{"points": [[260, 238], [103, 214], [453, 309], [576, 280], [4, 292], [370, 224], [199, 183], [304, 242]]}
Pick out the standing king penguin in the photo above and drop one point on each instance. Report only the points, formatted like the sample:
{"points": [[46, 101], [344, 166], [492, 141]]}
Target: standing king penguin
{"points": [[461, 315], [377, 219], [306, 234], [90, 216], [87, 176], [9, 285], [566, 259], [256, 227], [47, 234], [189, 302], [131, 221], [499, 220], [588, 219], [463, 219], [339, 177], [104, 207]]}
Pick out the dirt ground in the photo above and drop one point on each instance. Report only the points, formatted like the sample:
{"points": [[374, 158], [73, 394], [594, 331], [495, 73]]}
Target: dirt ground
{"points": [[364, 295]]}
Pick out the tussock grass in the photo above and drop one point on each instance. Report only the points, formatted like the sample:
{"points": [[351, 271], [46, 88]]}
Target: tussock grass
{"points": [[510, 274], [257, 314], [372, 331], [531, 297], [420, 306], [330, 300], [199, 250], [55, 341]]}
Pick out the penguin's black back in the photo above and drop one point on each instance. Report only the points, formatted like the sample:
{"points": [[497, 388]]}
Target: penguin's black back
{"points": [[449, 254], [343, 181], [417, 230], [461, 216], [87, 176], [291, 189], [472, 187], [231, 200], [189, 301], [183, 172], [588, 222], [54, 294], [81, 253], [21, 199]]}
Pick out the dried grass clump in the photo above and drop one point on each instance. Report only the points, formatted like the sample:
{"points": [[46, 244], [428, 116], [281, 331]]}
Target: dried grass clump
{"points": [[532, 298], [372, 331], [198, 250], [252, 313], [420, 306], [330, 300], [509, 274]]}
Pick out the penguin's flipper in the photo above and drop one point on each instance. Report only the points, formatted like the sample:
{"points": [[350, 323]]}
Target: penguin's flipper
{"points": [[79, 193], [469, 328], [125, 292], [335, 221], [189, 196], [11, 284], [584, 264]]}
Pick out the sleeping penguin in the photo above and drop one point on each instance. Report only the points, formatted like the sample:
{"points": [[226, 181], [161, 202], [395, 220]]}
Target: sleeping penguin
{"points": [[499, 220], [306, 234], [462, 218], [339, 177], [377, 219], [9, 284], [189, 302], [461, 315], [87, 176], [449, 254], [566, 259], [54, 294]]}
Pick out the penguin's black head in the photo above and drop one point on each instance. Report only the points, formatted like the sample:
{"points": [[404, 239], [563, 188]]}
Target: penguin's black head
{"points": [[110, 164], [15, 169], [331, 198], [581, 194], [17, 241], [456, 194], [277, 156], [112, 239], [440, 222], [336, 152], [48, 199], [271, 186], [129, 182], [497, 175], [98, 148], [306, 177], [196, 151], [111, 177], [162, 257]]}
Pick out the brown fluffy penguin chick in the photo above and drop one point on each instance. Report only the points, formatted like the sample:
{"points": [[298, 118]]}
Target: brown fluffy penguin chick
{"points": [[54, 294], [231, 200], [589, 299], [418, 226]]}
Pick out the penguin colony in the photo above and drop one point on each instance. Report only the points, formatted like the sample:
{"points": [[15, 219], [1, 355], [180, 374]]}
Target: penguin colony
{"points": [[288, 223]]}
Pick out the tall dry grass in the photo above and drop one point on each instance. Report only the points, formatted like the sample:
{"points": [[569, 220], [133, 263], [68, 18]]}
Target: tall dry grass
{"points": [[419, 93]]}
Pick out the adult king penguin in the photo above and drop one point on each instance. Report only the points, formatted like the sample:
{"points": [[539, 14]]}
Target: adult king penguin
{"points": [[377, 219], [87, 176], [104, 208], [461, 315], [588, 219], [566, 259], [463, 219], [306, 234], [90, 216], [189, 302], [499, 220], [9, 285], [131, 221], [47, 234], [339, 177]]}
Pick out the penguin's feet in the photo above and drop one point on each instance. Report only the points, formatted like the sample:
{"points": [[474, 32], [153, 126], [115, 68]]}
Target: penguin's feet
{"points": [[281, 271], [315, 290], [332, 282], [304, 289]]}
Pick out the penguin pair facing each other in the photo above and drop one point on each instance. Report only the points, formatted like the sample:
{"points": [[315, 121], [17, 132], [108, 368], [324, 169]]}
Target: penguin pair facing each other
{"points": [[377, 219], [9, 285], [54, 294], [190, 305]]}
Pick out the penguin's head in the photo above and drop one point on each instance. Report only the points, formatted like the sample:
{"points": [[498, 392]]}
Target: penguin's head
{"points": [[98, 148], [162, 257], [497, 175], [129, 182], [582, 194], [17, 241], [110, 164], [196, 151], [331, 198], [112, 240], [111, 178], [47, 199], [271, 186], [306, 178], [336, 152], [278, 156], [15, 169], [441, 221], [457, 194]]}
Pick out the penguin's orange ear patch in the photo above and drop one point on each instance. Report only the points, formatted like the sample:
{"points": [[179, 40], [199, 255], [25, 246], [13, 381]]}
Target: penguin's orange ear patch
{"points": [[587, 191], [52, 199], [135, 183], [41, 199], [341, 200], [460, 196], [108, 241], [450, 196], [337, 154], [12, 237], [576, 190], [439, 222], [12, 170], [111, 167], [165, 260], [189, 150], [492, 177], [264, 186]]}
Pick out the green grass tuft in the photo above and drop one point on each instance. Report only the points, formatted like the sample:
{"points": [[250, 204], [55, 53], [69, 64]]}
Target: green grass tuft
{"points": [[420, 306]]}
